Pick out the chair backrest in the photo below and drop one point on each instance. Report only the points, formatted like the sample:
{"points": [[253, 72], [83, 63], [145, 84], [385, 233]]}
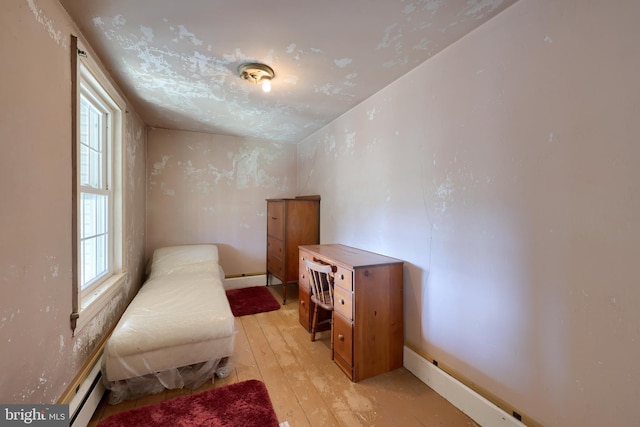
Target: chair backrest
{"points": [[320, 281]]}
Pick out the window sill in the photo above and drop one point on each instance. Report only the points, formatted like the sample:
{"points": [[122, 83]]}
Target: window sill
{"points": [[96, 301]]}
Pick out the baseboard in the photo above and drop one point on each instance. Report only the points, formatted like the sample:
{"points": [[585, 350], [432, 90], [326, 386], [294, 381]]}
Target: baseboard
{"points": [[481, 410], [245, 281]]}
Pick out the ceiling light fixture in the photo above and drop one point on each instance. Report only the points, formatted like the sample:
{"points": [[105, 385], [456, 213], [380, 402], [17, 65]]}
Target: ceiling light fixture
{"points": [[257, 73]]}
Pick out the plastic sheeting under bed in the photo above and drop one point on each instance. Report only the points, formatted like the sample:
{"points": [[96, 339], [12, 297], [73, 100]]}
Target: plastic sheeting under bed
{"points": [[177, 332]]}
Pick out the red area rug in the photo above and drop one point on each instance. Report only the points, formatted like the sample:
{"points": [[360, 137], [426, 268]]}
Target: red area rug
{"points": [[243, 404], [251, 300]]}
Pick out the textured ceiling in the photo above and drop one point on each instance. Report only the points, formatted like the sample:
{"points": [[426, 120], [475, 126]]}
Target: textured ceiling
{"points": [[177, 60]]}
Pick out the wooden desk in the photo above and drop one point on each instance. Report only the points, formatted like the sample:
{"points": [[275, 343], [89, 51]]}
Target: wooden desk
{"points": [[368, 321]]}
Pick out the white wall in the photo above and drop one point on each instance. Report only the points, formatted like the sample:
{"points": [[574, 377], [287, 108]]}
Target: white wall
{"points": [[504, 172], [39, 357], [205, 188]]}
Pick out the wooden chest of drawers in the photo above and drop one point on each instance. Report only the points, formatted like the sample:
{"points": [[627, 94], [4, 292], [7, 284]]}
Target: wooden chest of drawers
{"points": [[368, 320], [290, 223]]}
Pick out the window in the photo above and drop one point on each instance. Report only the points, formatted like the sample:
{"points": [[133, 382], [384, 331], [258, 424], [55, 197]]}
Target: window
{"points": [[98, 246], [95, 189]]}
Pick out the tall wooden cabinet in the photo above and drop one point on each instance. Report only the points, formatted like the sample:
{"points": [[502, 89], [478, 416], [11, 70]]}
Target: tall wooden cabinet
{"points": [[290, 223], [368, 319]]}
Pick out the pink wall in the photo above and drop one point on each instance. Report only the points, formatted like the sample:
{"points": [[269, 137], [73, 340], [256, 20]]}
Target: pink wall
{"points": [[504, 171], [39, 355], [205, 188]]}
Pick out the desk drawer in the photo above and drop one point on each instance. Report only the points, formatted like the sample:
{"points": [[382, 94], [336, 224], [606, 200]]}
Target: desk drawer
{"points": [[344, 278], [343, 338], [304, 304], [343, 302], [303, 278]]}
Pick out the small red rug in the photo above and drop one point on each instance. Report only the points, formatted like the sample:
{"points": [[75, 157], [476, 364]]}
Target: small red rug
{"points": [[251, 300], [243, 404]]}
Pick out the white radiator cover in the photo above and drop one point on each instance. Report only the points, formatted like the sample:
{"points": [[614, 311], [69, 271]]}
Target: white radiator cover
{"points": [[248, 281], [87, 398], [468, 401]]}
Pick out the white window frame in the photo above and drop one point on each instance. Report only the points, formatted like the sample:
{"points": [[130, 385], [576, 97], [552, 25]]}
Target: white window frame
{"points": [[93, 84]]}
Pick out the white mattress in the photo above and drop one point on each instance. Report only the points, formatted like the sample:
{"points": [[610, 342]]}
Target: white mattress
{"points": [[180, 316]]}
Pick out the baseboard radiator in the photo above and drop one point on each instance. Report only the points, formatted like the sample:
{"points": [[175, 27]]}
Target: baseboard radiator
{"points": [[86, 390], [478, 408], [245, 280], [87, 398]]}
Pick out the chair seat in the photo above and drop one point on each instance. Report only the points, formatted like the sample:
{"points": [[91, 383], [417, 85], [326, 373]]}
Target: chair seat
{"points": [[326, 296]]}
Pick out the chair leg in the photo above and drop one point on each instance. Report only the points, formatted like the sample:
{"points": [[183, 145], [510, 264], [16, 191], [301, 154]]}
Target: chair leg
{"points": [[284, 293], [314, 323]]}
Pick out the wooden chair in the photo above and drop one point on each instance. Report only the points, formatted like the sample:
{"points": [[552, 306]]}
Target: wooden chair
{"points": [[321, 293]]}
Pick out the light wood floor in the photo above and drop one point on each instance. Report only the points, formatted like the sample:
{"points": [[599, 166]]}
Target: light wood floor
{"points": [[307, 388]]}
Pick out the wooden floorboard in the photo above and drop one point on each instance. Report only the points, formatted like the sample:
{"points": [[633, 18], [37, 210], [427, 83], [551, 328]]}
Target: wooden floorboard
{"points": [[307, 388]]}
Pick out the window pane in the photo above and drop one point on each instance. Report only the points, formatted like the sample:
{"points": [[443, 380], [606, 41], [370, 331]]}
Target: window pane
{"points": [[95, 169], [94, 214], [95, 140], [94, 259], [92, 152], [101, 213], [87, 215], [84, 121], [84, 165], [88, 266], [101, 254], [94, 237]]}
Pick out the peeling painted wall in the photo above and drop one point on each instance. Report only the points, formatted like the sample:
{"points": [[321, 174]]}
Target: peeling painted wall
{"points": [[39, 355], [205, 188], [504, 172]]}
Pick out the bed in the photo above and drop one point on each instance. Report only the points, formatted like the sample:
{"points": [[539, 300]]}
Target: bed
{"points": [[178, 330]]}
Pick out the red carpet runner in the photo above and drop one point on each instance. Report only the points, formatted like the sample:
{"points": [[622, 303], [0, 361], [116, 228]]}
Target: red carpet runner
{"points": [[252, 300], [243, 404]]}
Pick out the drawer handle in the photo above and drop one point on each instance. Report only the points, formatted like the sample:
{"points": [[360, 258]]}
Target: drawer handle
{"points": [[273, 217], [342, 277], [341, 301], [340, 337], [302, 303]]}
